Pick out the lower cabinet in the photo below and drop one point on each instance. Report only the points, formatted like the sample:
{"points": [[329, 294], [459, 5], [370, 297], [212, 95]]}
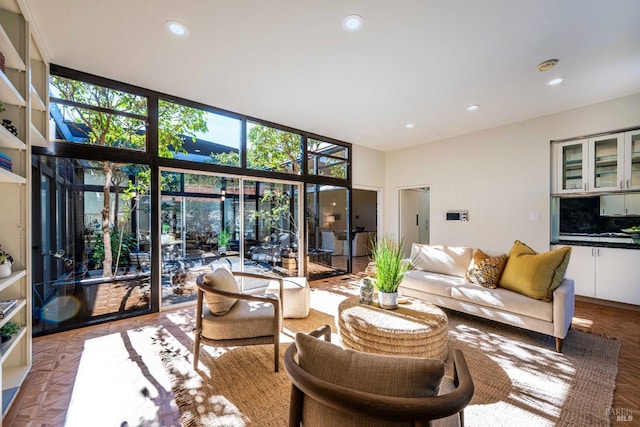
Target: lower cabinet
{"points": [[606, 273]]}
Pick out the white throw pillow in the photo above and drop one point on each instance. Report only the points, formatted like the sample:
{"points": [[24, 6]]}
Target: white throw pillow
{"points": [[223, 280]]}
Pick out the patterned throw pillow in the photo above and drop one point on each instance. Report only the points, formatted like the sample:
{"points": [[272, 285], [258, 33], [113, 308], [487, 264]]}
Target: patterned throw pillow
{"points": [[485, 270]]}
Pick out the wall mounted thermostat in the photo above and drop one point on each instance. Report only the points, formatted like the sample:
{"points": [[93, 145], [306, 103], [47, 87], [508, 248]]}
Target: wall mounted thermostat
{"points": [[460, 216]]}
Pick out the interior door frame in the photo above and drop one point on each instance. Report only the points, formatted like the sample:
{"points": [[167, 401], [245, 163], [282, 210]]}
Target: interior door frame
{"points": [[379, 204], [400, 206]]}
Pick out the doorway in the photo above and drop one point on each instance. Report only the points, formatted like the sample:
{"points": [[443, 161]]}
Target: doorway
{"points": [[414, 216]]}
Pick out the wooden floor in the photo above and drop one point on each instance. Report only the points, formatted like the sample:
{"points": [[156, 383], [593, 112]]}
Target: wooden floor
{"points": [[46, 394]]}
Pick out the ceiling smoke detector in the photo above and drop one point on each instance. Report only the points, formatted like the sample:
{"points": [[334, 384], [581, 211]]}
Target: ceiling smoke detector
{"points": [[547, 65]]}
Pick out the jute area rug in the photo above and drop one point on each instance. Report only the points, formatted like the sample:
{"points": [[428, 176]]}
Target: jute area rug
{"points": [[519, 379]]}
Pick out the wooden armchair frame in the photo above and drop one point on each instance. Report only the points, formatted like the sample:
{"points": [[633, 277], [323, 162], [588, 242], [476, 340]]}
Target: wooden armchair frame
{"points": [[419, 411], [275, 300]]}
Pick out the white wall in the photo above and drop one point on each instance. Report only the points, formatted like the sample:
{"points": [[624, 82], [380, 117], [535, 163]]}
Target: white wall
{"points": [[499, 175], [368, 168]]}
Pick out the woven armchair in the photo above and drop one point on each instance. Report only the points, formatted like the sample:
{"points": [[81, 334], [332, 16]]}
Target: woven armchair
{"points": [[227, 317], [332, 386]]}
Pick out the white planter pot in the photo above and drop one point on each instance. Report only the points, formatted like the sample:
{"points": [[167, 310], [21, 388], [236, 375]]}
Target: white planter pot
{"points": [[5, 270], [388, 300]]}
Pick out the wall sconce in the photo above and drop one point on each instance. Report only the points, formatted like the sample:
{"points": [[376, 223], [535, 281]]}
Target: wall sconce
{"points": [[223, 197]]}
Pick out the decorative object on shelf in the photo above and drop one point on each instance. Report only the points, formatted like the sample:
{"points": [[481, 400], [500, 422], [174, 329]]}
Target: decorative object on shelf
{"points": [[10, 127], [366, 291], [2, 65], [2, 108], [6, 162], [5, 263], [6, 306], [9, 328], [391, 268]]}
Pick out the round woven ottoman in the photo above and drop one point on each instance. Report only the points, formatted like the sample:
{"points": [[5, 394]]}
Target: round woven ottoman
{"points": [[417, 329]]}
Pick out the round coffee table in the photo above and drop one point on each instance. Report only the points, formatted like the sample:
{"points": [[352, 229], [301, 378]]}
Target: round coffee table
{"points": [[417, 329]]}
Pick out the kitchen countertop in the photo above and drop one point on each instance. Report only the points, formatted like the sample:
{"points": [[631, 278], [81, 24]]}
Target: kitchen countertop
{"points": [[600, 240]]}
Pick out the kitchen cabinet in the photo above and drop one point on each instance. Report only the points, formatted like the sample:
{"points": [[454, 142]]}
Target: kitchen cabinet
{"points": [[572, 166], [606, 273], [582, 269], [24, 95], [604, 163], [620, 204], [632, 160], [617, 272]]}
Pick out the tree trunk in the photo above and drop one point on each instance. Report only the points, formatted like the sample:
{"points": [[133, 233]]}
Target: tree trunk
{"points": [[106, 210]]}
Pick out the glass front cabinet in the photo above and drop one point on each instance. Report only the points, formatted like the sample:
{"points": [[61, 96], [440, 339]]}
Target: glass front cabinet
{"points": [[632, 160], [599, 164], [572, 166], [606, 163]]}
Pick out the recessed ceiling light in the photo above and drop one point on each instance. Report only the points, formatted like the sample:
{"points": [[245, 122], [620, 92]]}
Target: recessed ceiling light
{"points": [[409, 125], [176, 28], [556, 81], [473, 107], [352, 23]]}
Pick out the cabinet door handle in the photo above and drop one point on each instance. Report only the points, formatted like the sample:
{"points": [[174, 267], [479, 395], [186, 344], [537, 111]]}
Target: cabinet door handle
{"points": [[585, 186], [593, 251], [598, 251], [621, 184], [628, 183]]}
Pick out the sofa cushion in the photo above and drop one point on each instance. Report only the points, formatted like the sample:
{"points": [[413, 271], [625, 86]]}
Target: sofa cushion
{"points": [[451, 260], [486, 270], [535, 275], [221, 279], [433, 283], [504, 300], [245, 319]]}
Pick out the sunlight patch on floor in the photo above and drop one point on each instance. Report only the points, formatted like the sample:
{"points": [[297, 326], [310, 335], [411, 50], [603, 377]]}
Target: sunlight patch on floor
{"points": [[118, 377], [583, 323]]}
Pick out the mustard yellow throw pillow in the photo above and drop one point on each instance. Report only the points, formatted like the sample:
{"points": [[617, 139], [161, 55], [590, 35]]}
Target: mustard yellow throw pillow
{"points": [[532, 274]]}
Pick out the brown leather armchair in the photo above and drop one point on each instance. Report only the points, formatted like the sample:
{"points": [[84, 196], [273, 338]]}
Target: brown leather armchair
{"points": [[332, 386]]}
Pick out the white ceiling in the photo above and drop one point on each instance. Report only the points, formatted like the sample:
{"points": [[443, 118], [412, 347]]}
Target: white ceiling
{"points": [[414, 61]]}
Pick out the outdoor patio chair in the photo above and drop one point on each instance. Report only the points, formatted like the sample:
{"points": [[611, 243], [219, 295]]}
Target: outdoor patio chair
{"points": [[227, 317]]}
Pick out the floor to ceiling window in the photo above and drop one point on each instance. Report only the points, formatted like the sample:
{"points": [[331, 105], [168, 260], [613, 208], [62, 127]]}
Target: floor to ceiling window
{"points": [[83, 274], [140, 192]]}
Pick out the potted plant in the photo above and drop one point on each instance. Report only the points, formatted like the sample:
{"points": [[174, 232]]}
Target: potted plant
{"points": [[390, 270], [8, 329], [223, 240], [5, 264]]}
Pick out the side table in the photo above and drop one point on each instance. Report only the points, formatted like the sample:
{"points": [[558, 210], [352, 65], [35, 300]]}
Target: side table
{"points": [[418, 329]]}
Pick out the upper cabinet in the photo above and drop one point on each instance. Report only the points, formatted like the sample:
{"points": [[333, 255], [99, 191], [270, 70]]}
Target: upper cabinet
{"points": [[572, 166], [632, 160], [599, 164], [606, 163]]}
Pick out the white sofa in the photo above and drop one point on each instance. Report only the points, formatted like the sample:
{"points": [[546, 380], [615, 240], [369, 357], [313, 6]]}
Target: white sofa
{"points": [[439, 278]]}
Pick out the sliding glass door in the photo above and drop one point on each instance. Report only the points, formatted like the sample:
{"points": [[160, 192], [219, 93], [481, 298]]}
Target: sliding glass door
{"points": [[211, 220], [328, 236]]}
